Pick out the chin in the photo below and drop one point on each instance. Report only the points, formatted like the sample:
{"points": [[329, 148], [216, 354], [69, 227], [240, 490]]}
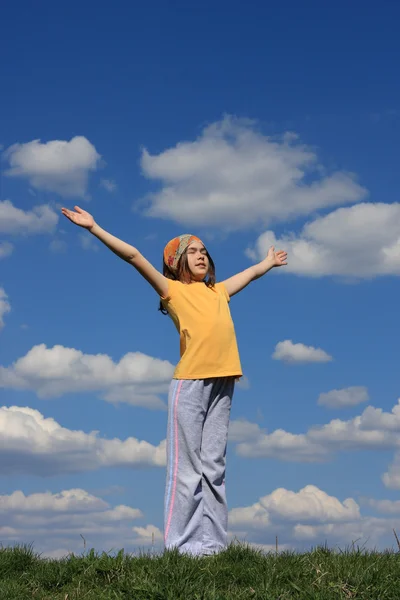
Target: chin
{"points": [[199, 276]]}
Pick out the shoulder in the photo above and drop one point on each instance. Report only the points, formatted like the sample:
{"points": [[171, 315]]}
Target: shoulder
{"points": [[220, 288], [174, 289]]}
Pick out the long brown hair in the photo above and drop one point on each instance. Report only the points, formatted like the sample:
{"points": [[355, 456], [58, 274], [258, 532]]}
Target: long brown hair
{"points": [[183, 274]]}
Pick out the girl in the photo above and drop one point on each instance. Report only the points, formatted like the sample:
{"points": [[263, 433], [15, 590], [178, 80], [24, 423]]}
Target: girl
{"points": [[200, 396]]}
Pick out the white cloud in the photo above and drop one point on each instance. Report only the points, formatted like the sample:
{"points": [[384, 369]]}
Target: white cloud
{"points": [[88, 242], [41, 219], [37, 445], [57, 166], [6, 249], [5, 306], [308, 516], [58, 246], [372, 430], [243, 383], [149, 535], [309, 505], [388, 507], [392, 477], [108, 184], [51, 372], [283, 445], [66, 501], [350, 396], [249, 516], [289, 352], [376, 419], [368, 532], [55, 553], [241, 430], [233, 177], [57, 522], [361, 241]]}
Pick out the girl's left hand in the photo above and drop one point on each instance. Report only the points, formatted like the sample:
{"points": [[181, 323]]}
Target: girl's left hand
{"points": [[279, 258]]}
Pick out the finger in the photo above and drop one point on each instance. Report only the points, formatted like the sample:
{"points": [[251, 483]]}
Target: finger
{"points": [[78, 209], [70, 215]]}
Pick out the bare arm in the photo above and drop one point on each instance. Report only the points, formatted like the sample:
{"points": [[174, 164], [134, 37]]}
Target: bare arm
{"points": [[128, 253], [239, 281]]}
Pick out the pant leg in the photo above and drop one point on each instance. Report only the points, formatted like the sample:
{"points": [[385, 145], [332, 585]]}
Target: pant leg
{"points": [[183, 507], [213, 458]]}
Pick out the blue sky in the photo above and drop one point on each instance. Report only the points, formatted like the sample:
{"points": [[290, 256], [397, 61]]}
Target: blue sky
{"points": [[249, 127]]}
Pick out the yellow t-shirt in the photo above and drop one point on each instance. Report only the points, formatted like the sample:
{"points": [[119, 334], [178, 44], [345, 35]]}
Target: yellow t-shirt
{"points": [[202, 317]]}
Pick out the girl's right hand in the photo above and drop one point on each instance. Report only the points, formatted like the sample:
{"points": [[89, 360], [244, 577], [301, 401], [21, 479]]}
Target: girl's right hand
{"points": [[80, 217]]}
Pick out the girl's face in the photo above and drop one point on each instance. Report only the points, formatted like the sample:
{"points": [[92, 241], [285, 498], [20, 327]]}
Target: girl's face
{"points": [[197, 261]]}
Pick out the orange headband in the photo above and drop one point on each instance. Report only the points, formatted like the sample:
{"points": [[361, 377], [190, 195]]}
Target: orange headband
{"points": [[176, 247]]}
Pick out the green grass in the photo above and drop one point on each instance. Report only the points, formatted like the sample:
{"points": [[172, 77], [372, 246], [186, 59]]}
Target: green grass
{"points": [[238, 573]]}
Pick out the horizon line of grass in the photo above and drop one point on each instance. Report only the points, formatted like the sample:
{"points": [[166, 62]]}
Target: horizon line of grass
{"points": [[240, 572]]}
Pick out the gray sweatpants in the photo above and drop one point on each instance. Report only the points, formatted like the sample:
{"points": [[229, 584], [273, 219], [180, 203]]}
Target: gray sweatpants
{"points": [[195, 509]]}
